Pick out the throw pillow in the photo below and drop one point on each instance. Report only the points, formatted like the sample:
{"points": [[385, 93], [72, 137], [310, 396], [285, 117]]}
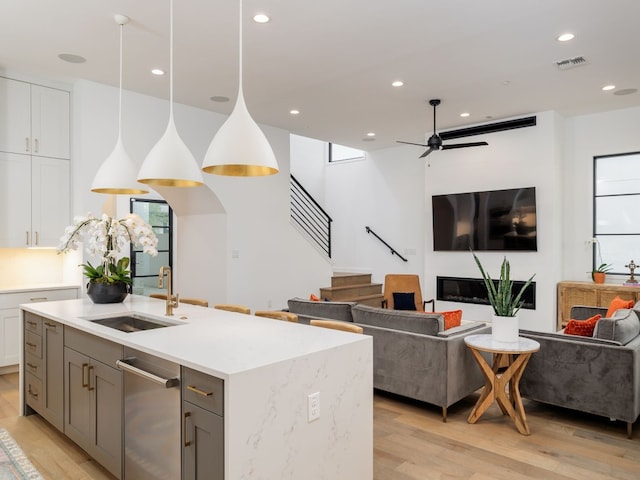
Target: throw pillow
{"points": [[452, 318], [313, 298], [404, 301], [617, 303], [584, 328]]}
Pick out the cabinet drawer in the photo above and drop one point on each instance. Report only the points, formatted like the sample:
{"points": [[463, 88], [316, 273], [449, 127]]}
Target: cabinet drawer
{"points": [[33, 365], [102, 350], [33, 391], [12, 300], [33, 344], [32, 323], [203, 390]]}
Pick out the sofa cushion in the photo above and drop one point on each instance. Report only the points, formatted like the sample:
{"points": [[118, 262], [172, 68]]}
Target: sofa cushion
{"points": [[331, 310], [617, 303], [415, 322], [452, 318], [404, 301], [583, 328], [622, 327]]}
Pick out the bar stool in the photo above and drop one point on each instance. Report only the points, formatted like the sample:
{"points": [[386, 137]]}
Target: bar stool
{"points": [[277, 315], [337, 325], [232, 308], [192, 301]]}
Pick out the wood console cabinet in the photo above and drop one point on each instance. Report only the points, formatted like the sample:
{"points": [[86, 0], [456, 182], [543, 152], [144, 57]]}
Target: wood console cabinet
{"points": [[590, 294]]}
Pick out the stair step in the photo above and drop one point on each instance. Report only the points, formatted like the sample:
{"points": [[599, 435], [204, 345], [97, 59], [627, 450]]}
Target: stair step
{"points": [[351, 291], [343, 279]]}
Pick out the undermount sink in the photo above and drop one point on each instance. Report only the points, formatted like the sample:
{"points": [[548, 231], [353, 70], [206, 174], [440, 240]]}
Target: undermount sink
{"points": [[131, 322]]}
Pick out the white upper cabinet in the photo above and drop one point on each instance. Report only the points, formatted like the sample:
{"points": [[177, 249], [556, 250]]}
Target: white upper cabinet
{"points": [[34, 120]]}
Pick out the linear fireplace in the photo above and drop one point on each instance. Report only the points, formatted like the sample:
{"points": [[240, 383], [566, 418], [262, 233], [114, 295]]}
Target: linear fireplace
{"points": [[473, 290]]}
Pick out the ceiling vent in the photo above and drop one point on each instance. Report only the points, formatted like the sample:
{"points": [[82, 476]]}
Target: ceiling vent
{"points": [[568, 63]]}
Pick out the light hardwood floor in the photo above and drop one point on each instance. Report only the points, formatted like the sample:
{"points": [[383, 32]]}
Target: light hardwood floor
{"points": [[410, 443]]}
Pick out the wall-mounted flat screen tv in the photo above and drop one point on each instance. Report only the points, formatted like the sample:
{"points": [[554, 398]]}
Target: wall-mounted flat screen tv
{"points": [[484, 221]]}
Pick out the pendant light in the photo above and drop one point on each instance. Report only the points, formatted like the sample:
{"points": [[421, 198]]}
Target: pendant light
{"points": [[170, 163], [117, 174], [240, 148]]}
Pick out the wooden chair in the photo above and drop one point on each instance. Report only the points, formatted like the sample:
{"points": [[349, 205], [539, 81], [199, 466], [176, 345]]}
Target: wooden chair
{"points": [[403, 283], [191, 301], [277, 315], [337, 325], [233, 308]]}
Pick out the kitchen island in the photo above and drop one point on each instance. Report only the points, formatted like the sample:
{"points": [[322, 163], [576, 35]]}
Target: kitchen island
{"points": [[269, 369]]}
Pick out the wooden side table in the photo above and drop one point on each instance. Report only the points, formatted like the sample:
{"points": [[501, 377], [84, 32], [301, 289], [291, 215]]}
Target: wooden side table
{"points": [[502, 387]]}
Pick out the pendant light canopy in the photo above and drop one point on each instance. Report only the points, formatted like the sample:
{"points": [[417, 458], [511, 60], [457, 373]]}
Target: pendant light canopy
{"points": [[240, 148], [170, 163], [117, 174]]}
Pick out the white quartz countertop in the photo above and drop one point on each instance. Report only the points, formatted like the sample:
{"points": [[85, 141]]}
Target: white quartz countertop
{"points": [[215, 342], [7, 287]]}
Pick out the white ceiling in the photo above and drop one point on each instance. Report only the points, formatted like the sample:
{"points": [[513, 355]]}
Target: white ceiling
{"points": [[334, 60]]}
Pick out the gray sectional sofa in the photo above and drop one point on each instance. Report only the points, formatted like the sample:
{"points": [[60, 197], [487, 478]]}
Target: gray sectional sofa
{"points": [[598, 375], [413, 355]]}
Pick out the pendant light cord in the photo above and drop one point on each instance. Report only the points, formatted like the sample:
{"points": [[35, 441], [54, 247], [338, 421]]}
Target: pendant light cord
{"points": [[120, 89], [240, 55], [171, 59]]}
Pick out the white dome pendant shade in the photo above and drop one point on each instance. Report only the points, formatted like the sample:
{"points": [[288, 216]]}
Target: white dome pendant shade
{"points": [[170, 163], [240, 148], [117, 174]]}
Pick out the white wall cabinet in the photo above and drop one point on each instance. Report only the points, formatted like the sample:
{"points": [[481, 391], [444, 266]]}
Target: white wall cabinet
{"points": [[37, 200], [10, 317], [34, 120]]}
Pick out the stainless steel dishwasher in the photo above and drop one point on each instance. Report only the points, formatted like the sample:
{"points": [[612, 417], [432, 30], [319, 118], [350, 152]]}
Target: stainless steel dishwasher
{"points": [[152, 445]]}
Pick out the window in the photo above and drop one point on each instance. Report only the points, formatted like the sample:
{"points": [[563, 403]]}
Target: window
{"points": [[616, 219], [145, 268], [339, 153]]}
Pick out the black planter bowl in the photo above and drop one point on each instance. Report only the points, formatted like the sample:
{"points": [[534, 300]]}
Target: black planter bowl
{"points": [[107, 292]]}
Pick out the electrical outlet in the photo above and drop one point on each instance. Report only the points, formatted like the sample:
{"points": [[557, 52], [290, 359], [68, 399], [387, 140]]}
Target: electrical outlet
{"points": [[313, 407]]}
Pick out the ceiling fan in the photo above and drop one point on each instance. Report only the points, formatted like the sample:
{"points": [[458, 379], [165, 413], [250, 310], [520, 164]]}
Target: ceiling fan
{"points": [[435, 142]]}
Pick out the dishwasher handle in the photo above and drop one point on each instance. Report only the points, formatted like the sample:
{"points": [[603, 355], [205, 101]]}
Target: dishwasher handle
{"points": [[127, 367]]}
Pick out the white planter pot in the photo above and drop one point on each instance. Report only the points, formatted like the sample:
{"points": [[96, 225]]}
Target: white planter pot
{"points": [[504, 329]]}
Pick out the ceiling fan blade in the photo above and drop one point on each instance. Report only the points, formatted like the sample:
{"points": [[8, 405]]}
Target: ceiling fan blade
{"points": [[463, 145], [410, 143], [427, 152]]}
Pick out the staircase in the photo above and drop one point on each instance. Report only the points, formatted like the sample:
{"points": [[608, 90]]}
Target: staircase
{"points": [[353, 287]]}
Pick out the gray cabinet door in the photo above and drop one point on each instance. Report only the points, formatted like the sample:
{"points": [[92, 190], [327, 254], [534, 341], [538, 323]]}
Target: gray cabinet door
{"points": [[93, 408], [77, 402], [53, 355], [202, 445]]}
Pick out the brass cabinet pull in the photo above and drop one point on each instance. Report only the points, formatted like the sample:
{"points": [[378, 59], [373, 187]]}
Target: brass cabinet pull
{"points": [[38, 299], [84, 384], [27, 242], [33, 394], [30, 322], [89, 375], [195, 389], [36, 238], [184, 429], [26, 144], [32, 366], [32, 345], [50, 325]]}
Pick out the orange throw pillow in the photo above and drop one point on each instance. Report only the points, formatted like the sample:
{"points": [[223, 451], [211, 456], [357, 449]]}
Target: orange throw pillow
{"points": [[618, 303], [452, 318], [584, 328], [313, 298]]}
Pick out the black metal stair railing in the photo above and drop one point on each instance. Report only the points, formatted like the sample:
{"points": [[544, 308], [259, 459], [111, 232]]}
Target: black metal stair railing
{"points": [[393, 251], [310, 216]]}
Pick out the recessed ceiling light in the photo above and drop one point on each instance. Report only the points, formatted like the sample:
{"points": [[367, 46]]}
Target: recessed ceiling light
{"points": [[606, 88], [294, 112], [71, 58], [397, 83], [465, 114], [261, 18], [157, 71], [371, 134], [565, 37], [219, 98]]}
